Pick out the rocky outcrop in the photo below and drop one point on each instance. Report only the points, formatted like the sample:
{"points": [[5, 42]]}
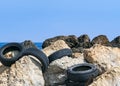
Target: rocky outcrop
{"points": [[101, 39], [70, 40], [84, 38], [76, 44], [116, 42], [77, 55], [55, 46], [78, 50], [28, 44], [49, 41], [25, 72], [84, 41], [104, 57], [109, 78], [98, 51]]}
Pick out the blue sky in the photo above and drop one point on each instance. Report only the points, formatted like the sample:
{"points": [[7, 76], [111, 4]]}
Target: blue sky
{"points": [[38, 20]]}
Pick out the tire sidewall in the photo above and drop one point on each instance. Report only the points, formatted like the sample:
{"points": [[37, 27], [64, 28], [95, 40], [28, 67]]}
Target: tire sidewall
{"points": [[9, 61], [82, 76]]}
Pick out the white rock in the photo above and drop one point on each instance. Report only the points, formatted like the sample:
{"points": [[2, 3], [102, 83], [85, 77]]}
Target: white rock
{"points": [[109, 78], [60, 44], [104, 57], [25, 72]]}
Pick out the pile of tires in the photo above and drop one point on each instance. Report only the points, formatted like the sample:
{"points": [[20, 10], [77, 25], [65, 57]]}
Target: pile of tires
{"points": [[81, 74], [77, 75], [21, 51], [24, 49]]}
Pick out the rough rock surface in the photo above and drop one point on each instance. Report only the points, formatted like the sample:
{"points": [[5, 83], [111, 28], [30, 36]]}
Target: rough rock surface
{"points": [[57, 45], [78, 50], [25, 72], [116, 42], [109, 78], [56, 72], [84, 41], [70, 40], [84, 38], [105, 57], [28, 44], [77, 55], [101, 39], [76, 44]]}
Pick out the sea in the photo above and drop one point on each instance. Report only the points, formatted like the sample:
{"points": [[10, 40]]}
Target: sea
{"points": [[39, 45]]}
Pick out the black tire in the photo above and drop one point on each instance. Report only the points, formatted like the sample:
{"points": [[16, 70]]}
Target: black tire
{"points": [[10, 47], [82, 72], [39, 55], [59, 54]]}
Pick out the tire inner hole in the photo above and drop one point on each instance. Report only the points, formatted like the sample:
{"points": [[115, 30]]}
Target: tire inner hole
{"points": [[82, 68], [12, 51]]}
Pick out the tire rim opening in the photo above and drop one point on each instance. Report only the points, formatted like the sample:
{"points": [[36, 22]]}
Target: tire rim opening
{"points": [[11, 52], [82, 68]]}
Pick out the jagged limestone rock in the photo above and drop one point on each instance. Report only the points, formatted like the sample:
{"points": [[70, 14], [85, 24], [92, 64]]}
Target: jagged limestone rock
{"points": [[60, 44], [25, 72], [105, 57], [109, 78]]}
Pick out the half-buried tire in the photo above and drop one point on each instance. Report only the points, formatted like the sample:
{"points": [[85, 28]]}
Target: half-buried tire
{"points": [[10, 53], [59, 54], [39, 55], [82, 72]]}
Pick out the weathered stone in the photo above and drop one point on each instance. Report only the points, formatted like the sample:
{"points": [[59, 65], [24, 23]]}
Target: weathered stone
{"points": [[101, 39], [109, 78], [84, 38], [55, 46], [84, 45], [28, 44], [116, 42], [78, 55], [25, 72], [78, 50], [56, 72], [84, 41], [105, 57], [49, 41], [71, 40]]}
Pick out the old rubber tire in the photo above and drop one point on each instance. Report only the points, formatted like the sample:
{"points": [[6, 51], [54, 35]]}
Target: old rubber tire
{"points": [[39, 55], [59, 54], [82, 72], [7, 48]]}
